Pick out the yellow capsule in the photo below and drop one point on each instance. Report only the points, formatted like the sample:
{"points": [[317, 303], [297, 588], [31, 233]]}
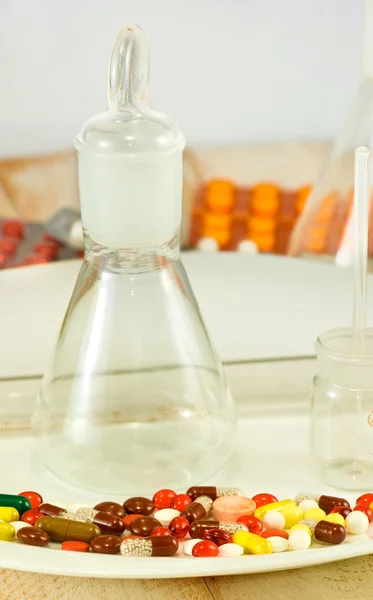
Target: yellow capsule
{"points": [[301, 526], [7, 532], [315, 514], [262, 510], [335, 518], [8, 514], [292, 514], [252, 543]]}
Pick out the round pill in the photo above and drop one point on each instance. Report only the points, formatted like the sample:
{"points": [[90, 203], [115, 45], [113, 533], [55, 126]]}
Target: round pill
{"points": [[274, 533], [230, 550], [75, 546], [34, 497], [19, 525], [179, 527], [366, 510], [274, 520], [31, 516], [106, 544], [307, 504], [165, 515], [365, 499], [204, 549], [263, 499], [299, 540], [33, 537], [279, 543], [181, 501], [314, 514], [253, 524], [335, 518], [164, 498], [231, 508], [189, 545], [301, 526], [357, 522]]}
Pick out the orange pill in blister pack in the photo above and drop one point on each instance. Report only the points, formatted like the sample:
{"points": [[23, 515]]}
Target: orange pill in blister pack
{"points": [[261, 226], [217, 221], [316, 240], [264, 243], [221, 236], [220, 195], [265, 200]]}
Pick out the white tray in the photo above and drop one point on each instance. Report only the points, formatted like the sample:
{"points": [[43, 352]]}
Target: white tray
{"points": [[280, 440]]}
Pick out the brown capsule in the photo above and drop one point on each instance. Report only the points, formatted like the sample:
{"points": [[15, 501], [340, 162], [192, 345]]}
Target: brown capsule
{"points": [[164, 545], [218, 536], [329, 533], [144, 526], [327, 503], [50, 510], [106, 544], [194, 511], [111, 507], [139, 505], [198, 528], [108, 523], [160, 545], [61, 530], [202, 490], [33, 537]]}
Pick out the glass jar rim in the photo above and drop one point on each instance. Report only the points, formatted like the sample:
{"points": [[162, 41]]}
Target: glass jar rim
{"points": [[324, 345]]}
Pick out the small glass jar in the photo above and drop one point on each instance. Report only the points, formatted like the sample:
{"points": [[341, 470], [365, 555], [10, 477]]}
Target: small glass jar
{"points": [[342, 410]]}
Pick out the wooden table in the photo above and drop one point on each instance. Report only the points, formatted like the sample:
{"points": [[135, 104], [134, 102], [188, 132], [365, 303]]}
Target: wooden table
{"points": [[345, 580]]}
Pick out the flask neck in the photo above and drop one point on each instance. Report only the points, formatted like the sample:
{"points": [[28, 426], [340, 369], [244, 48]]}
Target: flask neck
{"points": [[132, 259]]}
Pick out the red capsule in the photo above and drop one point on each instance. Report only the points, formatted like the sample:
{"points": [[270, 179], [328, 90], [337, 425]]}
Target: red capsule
{"points": [[179, 527], [263, 499], [164, 498], [204, 549], [218, 536], [274, 533], [13, 228], [31, 516], [181, 502], [366, 510], [8, 245], [365, 500], [253, 524], [341, 510], [161, 531], [34, 497]]}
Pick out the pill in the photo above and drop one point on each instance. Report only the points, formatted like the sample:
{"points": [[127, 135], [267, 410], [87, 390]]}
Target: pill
{"points": [[335, 518], [19, 525], [275, 533], [230, 550], [307, 504], [299, 540], [179, 527], [111, 507], [31, 516], [165, 515], [152, 546], [327, 503], [20, 503], [199, 509], [139, 505], [164, 498], [144, 526], [357, 522], [189, 545], [181, 502], [366, 510], [218, 536], [161, 531], [75, 506], [61, 530], [75, 546], [263, 499], [365, 499], [279, 543], [342, 510], [9, 514], [292, 513], [51, 510], [107, 522], [265, 508], [33, 537], [231, 508], [106, 544], [274, 520], [306, 496], [212, 492], [34, 498], [252, 543], [330, 533], [253, 524], [314, 514], [205, 549], [198, 528], [129, 518], [301, 526]]}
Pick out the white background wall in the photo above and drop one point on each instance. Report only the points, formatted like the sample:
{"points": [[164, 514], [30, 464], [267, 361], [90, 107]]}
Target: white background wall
{"points": [[226, 70]]}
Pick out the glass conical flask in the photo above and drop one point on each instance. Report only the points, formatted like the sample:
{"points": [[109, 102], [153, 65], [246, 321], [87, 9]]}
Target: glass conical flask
{"points": [[325, 223], [136, 398]]}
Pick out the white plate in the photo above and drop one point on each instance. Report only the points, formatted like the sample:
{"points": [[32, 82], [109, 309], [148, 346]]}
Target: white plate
{"points": [[281, 444]]}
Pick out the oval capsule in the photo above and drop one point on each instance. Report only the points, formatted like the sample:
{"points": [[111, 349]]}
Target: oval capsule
{"points": [[106, 544], [111, 507], [329, 533], [144, 526], [252, 543], [33, 537], [327, 503], [60, 530], [50, 510], [7, 532], [199, 509], [108, 523], [198, 528], [9, 514], [139, 505], [153, 546]]}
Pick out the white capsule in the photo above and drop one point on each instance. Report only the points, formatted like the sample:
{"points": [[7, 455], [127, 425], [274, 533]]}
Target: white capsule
{"points": [[230, 550], [19, 525], [357, 522], [76, 506], [274, 520], [279, 544], [307, 504], [189, 545], [299, 540], [165, 515], [207, 244]]}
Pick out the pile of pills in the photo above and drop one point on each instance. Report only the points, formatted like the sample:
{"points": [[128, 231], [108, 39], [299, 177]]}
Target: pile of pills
{"points": [[205, 522]]}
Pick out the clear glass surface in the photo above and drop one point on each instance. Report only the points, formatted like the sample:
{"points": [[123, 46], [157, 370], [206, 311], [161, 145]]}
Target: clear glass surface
{"points": [[342, 411]]}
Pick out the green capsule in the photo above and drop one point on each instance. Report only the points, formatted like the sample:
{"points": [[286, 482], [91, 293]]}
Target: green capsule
{"points": [[19, 502]]}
